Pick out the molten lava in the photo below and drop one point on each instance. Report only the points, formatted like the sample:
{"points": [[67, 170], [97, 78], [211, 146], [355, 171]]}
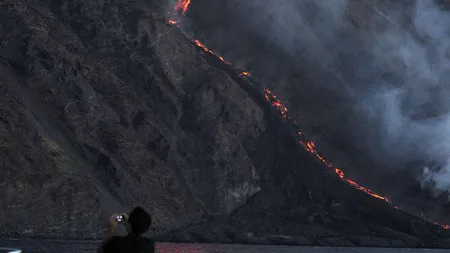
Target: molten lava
{"points": [[271, 98], [311, 147], [199, 44], [179, 10], [244, 73]]}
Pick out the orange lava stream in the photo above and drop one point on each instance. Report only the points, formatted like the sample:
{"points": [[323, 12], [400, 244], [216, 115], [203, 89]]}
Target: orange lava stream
{"points": [[199, 44], [244, 73], [311, 148], [444, 226], [180, 8]]}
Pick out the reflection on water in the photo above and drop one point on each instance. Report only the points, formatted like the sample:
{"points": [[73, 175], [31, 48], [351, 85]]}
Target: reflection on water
{"points": [[227, 248], [236, 248], [175, 248], [210, 248]]}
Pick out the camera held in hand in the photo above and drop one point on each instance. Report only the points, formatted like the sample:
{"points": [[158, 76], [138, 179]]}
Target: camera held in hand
{"points": [[136, 223], [120, 218]]}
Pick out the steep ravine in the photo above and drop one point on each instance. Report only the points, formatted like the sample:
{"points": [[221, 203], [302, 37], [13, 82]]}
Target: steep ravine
{"points": [[105, 106], [131, 115], [285, 46]]}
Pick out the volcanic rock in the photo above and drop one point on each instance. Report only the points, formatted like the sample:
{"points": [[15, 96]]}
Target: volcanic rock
{"points": [[106, 106]]}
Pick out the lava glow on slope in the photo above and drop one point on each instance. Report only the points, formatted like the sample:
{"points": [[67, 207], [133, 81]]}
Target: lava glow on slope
{"points": [[311, 147], [179, 10], [199, 44]]}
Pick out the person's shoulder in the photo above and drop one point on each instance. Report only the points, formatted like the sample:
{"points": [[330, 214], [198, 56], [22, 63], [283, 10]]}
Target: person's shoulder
{"points": [[147, 240], [150, 244], [115, 239], [141, 239], [112, 244]]}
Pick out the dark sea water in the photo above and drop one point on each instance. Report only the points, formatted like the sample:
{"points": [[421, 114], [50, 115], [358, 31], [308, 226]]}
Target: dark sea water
{"points": [[67, 246], [210, 248]]}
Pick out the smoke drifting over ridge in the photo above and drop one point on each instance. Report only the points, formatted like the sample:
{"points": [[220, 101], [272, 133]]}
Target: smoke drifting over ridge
{"points": [[387, 58], [409, 101], [396, 72]]}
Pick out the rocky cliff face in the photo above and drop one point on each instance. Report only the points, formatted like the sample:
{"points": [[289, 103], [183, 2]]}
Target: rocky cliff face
{"points": [[104, 106], [328, 61]]}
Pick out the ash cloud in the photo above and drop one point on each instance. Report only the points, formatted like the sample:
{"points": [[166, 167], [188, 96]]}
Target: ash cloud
{"points": [[394, 63], [303, 29], [388, 59], [410, 107]]}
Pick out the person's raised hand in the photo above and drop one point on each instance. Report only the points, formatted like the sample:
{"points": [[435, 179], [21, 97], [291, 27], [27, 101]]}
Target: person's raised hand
{"points": [[125, 216], [124, 221], [112, 222]]}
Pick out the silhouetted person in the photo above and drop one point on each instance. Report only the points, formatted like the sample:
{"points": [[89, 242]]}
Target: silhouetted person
{"points": [[136, 223]]}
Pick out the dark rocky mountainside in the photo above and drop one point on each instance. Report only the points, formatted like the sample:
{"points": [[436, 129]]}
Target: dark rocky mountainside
{"points": [[326, 61], [104, 106]]}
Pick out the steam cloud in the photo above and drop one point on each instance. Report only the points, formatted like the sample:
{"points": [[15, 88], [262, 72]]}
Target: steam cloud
{"points": [[411, 106], [392, 58], [397, 69]]}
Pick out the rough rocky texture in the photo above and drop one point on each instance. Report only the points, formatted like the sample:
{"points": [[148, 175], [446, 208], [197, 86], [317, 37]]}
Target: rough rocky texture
{"points": [[104, 106], [306, 205], [323, 72]]}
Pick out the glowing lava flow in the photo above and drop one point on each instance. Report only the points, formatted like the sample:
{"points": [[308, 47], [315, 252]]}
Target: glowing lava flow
{"points": [[199, 44], [311, 147], [179, 10], [244, 73], [272, 99]]}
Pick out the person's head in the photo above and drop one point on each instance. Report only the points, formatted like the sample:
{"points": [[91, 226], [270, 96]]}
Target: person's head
{"points": [[139, 221]]}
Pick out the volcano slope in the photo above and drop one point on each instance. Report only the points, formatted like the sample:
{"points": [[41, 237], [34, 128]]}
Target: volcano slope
{"points": [[105, 106], [326, 73]]}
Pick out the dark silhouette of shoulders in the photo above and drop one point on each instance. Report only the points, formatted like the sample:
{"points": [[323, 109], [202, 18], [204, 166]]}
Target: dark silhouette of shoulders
{"points": [[129, 243]]}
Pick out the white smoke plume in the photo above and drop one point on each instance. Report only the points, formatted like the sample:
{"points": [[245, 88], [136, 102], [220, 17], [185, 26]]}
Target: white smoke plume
{"points": [[399, 86], [389, 58], [412, 112]]}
